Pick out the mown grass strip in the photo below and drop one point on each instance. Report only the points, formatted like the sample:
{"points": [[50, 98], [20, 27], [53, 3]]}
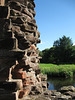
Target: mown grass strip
{"points": [[58, 70]]}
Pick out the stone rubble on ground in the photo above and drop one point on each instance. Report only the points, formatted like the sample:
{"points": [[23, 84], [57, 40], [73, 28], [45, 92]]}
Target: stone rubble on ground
{"points": [[54, 94]]}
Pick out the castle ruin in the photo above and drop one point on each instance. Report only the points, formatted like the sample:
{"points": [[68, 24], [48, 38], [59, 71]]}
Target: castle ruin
{"points": [[19, 61]]}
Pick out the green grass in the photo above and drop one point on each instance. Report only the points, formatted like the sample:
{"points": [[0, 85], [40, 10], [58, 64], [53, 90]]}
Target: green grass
{"points": [[58, 70]]}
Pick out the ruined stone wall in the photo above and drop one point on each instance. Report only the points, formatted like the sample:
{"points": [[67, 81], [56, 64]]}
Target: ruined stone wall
{"points": [[19, 61]]}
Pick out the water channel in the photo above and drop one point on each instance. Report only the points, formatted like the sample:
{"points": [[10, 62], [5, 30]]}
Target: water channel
{"points": [[56, 83]]}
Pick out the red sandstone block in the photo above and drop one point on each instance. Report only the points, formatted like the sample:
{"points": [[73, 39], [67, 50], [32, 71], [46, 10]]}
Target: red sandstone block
{"points": [[24, 92], [33, 47], [21, 93], [25, 83], [17, 69], [32, 82], [20, 75]]}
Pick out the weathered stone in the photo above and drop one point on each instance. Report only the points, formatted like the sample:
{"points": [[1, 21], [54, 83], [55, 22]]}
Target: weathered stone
{"points": [[56, 94], [24, 92], [37, 70], [27, 13], [43, 77], [32, 23], [38, 41], [64, 97], [37, 34], [18, 20], [72, 94], [30, 38], [22, 44], [19, 75], [24, 2], [43, 98], [12, 12], [44, 84], [33, 12], [16, 29], [19, 68], [53, 98], [36, 89], [15, 5], [2, 2], [30, 6], [67, 88]]}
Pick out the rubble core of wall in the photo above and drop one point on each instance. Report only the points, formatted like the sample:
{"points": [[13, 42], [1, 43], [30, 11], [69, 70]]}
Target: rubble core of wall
{"points": [[19, 61]]}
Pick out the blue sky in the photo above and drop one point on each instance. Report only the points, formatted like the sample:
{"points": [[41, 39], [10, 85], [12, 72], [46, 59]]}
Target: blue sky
{"points": [[55, 18]]}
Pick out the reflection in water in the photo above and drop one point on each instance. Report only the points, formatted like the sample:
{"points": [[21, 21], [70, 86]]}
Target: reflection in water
{"points": [[56, 83]]}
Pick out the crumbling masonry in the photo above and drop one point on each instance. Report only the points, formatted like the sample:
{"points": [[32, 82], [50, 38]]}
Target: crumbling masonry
{"points": [[19, 61]]}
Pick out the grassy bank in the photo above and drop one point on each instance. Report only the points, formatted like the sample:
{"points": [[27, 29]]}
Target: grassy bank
{"points": [[58, 70]]}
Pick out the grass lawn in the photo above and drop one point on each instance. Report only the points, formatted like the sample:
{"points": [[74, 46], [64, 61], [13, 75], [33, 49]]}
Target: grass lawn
{"points": [[66, 70]]}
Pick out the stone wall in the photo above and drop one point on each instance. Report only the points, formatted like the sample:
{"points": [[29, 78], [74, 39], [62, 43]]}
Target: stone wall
{"points": [[19, 61]]}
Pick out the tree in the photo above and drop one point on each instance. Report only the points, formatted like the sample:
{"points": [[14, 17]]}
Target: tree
{"points": [[64, 42], [45, 56], [73, 55], [63, 50], [51, 57]]}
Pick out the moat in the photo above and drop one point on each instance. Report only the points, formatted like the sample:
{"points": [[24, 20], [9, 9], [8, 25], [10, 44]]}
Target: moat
{"points": [[56, 83]]}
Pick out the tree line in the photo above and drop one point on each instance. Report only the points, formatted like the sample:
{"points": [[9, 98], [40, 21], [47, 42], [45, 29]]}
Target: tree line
{"points": [[62, 52]]}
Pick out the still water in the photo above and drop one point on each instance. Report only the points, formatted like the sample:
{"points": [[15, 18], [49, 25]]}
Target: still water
{"points": [[56, 83]]}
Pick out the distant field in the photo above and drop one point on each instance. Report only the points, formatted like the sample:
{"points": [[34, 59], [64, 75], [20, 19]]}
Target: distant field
{"points": [[58, 70]]}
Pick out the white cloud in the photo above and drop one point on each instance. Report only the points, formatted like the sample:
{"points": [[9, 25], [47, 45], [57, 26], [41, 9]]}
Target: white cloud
{"points": [[74, 43], [44, 42]]}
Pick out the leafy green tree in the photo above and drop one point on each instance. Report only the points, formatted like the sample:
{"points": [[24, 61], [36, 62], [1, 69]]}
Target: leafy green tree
{"points": [[51, 57], [73, 55], [45, 56], [63, 50]]}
